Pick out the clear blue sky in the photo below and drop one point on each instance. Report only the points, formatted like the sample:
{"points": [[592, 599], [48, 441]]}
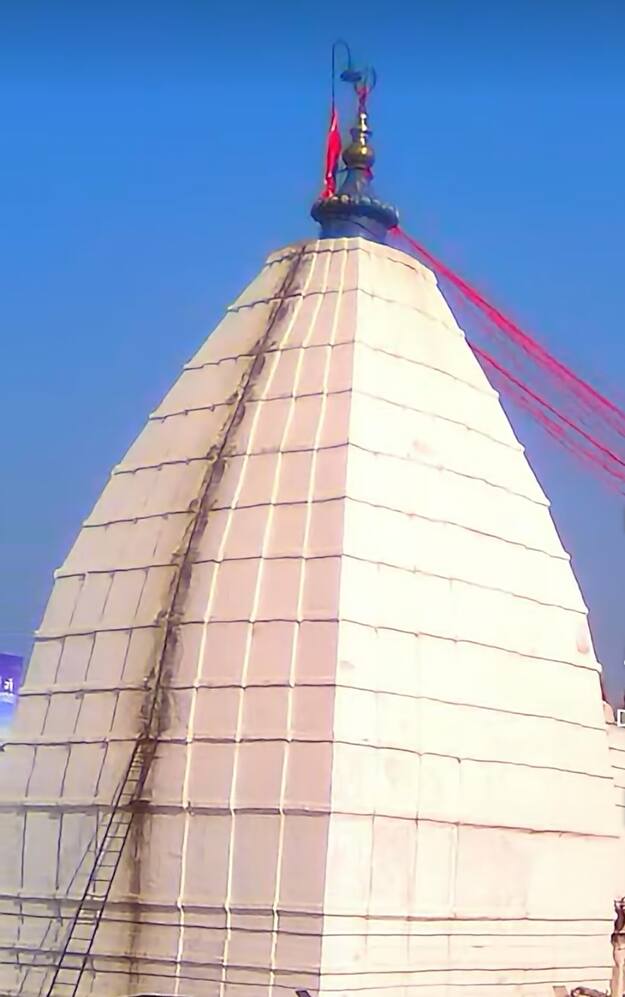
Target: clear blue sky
{"points": [[153, 153]]}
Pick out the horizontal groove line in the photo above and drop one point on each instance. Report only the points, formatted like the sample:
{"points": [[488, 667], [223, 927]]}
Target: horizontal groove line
{"points": [[405, 305], [139, 518], [352, 245], [61, 807], [487, 392], [542, 502], [329, 619], [325, 684], [307, 974], [292, 933], [450, 919], [288, 970], [408, 571], [40, 635], [329, 740], [340, 556], [344, 497], [515, 447]]}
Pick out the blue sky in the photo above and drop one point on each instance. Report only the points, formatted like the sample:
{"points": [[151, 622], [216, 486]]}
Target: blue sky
{"points": [[153, 154]]}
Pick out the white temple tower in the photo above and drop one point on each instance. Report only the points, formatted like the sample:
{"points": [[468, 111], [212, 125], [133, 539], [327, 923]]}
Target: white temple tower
{"points": [[325, 584]]}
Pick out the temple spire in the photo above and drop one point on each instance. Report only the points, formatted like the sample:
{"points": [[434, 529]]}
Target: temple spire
{"points": [[355, 209]]}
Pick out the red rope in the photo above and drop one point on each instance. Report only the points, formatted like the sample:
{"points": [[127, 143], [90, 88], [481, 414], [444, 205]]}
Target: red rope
{"points": [[581, 417], [538, 408], [550, 408], [584, 392], [614, 480]]}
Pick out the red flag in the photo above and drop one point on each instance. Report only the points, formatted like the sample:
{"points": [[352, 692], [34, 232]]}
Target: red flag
{"points": [[333, 151]]}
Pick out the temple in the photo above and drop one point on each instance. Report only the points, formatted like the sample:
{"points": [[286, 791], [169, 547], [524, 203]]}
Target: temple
{"points": [[314, 704]]}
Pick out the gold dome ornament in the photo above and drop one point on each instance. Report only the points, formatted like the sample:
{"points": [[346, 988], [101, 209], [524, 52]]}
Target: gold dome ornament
{"points": [[359, 155]]}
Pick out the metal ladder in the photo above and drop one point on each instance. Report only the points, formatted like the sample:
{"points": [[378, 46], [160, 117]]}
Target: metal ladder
{"points": [[79, 941]]}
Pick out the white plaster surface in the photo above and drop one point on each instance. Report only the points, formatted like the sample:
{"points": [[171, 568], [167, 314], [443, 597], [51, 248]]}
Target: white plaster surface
{"points": [[383, 764]]}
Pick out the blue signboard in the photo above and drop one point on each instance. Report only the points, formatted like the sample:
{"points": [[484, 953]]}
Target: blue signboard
{"points": [[11, 667]]}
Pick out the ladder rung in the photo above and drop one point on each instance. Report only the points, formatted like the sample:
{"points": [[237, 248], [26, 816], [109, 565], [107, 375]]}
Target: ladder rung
{"points": [[117, 832], [72, 961], [71, 970], [79, 947], [88, 927]]}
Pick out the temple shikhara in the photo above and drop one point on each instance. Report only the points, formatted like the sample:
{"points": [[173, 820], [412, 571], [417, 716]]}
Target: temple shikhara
{"points": [[314, 704]]}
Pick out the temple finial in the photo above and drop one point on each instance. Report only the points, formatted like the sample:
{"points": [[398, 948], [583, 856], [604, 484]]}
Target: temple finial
{"points": [[355, 210]]}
